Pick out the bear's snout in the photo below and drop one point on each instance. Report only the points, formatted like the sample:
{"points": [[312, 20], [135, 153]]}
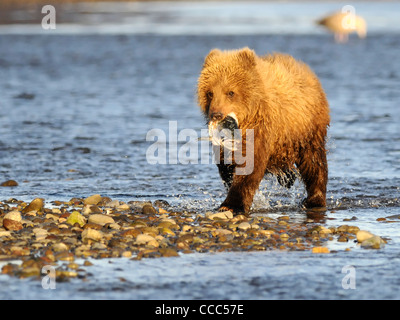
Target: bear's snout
{"points": [[230, 122]]}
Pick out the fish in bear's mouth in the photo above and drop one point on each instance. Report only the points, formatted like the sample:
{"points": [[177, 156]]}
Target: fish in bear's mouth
{"points": [[225, 132]]}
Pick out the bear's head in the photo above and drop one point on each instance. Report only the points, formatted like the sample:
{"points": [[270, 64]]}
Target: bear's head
{"points": [[229, 85]]}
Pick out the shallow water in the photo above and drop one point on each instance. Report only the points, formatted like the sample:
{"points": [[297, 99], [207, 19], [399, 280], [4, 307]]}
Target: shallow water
{"points": [[75, 109]]}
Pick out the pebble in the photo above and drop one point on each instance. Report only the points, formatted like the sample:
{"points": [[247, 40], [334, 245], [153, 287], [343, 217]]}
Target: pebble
{"points": [[13, 215], [222, 232], [132, 233], [162, 211], [52, 216], [320, 250], [239, 217], [167, 231], [76, 217], [284, 237], [353, 229], [244, 226], [113, 204], [94, 199], [12, 225], [374, 242], [324, 231], [148, 209], [126, 254], [168, 221], [73, 266], [59, 247], [396, 216], [98, 246], [144, 239], [138, 205], [87, 263], [363, 235], [224, 215], [100, 219], [153, 243], [92, 234], [124, 207], [169, 252], [255, 226], [114, 226], [90, 209], [5, 233], [40, 233], [9, 183], [36, 205], [65, 274], [29, 272], [266, 233], [56, 211]]}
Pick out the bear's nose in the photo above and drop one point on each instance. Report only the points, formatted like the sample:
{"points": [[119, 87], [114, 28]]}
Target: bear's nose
{"points": [[216, 116]]}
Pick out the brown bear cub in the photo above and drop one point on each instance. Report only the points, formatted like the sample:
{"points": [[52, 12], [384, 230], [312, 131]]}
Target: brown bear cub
{"points": [[283, 104]]}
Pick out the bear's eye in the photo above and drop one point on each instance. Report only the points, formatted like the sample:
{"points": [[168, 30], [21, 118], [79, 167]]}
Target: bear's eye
{"points": [[209, 94], [231, 94]]}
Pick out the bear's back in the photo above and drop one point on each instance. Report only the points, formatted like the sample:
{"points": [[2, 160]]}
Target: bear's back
{"points": [[293, 94], [284, 67]]}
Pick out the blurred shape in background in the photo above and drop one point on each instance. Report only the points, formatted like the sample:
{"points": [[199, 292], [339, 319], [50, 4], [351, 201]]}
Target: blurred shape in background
{"points": [[343, 23]]}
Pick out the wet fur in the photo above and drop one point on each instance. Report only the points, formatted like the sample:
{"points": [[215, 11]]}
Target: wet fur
{"points": [[283, 101]]}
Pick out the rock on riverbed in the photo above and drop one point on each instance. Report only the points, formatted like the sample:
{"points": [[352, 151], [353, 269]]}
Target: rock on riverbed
{"points": [[99, 227], [369, 240]]}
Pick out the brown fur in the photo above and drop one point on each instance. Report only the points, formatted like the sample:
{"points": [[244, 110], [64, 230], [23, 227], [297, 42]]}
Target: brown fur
{"points": [[283, 101]]}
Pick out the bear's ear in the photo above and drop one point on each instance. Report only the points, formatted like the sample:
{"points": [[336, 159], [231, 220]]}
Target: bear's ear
{"points": [[209, 59], [247, 57]]}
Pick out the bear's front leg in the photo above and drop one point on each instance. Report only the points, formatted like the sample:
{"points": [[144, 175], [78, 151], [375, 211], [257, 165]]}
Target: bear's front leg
{"points": [[226, 172], [242, 191], [244, 186]]}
